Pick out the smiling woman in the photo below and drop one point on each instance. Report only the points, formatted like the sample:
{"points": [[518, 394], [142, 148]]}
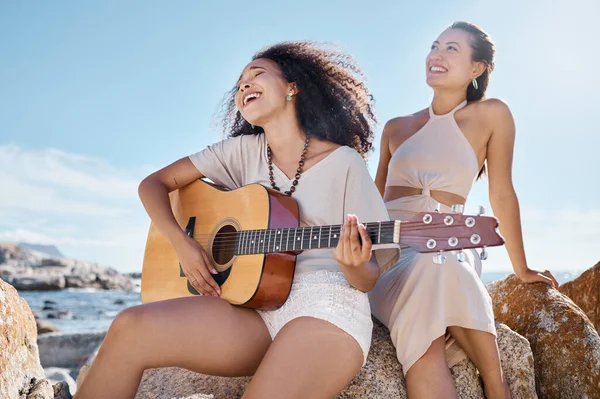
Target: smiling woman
{"points": [[332, 88], [298, 110], [429, 160]]}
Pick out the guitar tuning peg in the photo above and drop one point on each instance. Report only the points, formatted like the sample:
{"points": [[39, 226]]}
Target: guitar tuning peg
{"points": [[438, 208], [483, 255], [460, 256], [439, 259], [479, 210], [458, 208]]}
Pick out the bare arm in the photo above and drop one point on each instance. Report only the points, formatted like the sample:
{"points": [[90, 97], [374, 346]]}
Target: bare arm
{"points": [[502, 193], [384, 159], [154, 192]]}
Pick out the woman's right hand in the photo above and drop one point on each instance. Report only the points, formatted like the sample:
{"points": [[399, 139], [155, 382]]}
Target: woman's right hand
{"points": [[196, 266]]}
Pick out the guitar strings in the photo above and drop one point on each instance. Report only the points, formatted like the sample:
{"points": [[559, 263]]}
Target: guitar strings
{"points": [[370, 229]]}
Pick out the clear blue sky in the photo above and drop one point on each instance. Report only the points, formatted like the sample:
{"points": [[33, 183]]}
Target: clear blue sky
{"points": [[95, 95]]}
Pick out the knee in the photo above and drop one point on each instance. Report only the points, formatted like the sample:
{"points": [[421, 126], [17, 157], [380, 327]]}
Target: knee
{"points": [[127, 321], [433, 359]]}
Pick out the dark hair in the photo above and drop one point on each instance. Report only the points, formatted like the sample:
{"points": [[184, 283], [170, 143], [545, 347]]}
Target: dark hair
{"points": [[333, 102], [484, 51]]}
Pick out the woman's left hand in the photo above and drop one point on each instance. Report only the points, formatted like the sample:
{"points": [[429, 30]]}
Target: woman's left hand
{"points": [[536, 276], [350, 251]]}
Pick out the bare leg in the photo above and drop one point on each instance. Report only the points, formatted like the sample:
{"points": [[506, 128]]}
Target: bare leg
{"points": [[482, 349], [202, 334], [309, 358], [430, 376]]}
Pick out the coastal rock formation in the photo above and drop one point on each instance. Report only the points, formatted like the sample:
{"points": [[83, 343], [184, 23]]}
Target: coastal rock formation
{"points": [[61, 349], [585, 292], [21, 373], [27, 269], [381, 377], [565, 345]]}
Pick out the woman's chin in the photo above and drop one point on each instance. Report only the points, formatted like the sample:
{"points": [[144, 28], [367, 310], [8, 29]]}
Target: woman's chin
{"points": [[436, 83]]}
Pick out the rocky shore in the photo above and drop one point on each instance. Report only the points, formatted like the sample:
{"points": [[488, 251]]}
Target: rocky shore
{"points": [[28, 269], [549, 349]]}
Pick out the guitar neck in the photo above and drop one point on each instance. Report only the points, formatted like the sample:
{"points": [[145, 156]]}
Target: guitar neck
{"points": [[311, 237]]}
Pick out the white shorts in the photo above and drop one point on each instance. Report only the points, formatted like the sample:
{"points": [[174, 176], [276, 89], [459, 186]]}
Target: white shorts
{"points": [[328, 296]]}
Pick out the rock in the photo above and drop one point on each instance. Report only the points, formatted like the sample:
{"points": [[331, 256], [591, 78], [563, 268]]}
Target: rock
{"points": [[81, 280], [565, 346], [44, 326], [48, 302], [19, 357], [65, 315], [381, 377], [56, 375], [466, 380], [60, 349], [6, 272], [37, 315], [38, 282], [13, 255], [115, 282], [517, 362], [585, 292], [52, 262], [48, 307], [41, 389], [30, 269], [61, 391], [119, 302]]}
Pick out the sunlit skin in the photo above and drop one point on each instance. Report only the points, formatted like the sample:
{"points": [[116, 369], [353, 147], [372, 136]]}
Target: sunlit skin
{"points": [[489, 127], [309, 358]]}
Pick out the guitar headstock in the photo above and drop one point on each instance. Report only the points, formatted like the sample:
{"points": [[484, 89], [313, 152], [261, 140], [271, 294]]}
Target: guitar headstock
{"points": [[435, 232]]}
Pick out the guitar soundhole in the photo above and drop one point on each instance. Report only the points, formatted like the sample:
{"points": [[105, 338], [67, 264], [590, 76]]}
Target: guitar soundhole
{"points": [[223, 245]]}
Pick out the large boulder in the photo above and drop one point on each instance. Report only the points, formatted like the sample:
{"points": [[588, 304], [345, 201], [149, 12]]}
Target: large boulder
{"points": [[68, 350], [58, 375], [38, 282], [381, 377], [585, 292], [565, 346], [44, 326], [21, 373]]}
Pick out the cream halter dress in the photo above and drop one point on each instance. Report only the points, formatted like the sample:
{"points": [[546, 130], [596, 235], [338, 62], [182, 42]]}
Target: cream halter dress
{"points": [[418, 299]]}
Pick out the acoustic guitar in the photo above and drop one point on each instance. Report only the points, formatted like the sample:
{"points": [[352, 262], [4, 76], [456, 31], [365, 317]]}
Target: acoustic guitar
{"points": [[252, 237]]}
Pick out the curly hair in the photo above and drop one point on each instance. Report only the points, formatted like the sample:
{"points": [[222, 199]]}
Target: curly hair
{"points": [[333, 102]]}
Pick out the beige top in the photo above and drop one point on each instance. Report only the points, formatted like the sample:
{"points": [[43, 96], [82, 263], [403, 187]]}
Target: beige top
{"points": [[437, 157], [338, 185]]}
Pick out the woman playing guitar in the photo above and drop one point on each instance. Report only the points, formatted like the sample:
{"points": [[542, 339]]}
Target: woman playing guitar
{"points": [[299, 119]]}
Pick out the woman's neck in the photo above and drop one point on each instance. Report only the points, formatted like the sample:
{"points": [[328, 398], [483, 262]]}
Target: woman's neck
{"points": [[286, 138], [445, 101]]}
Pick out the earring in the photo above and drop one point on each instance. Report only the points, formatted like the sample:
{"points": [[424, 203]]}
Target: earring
{"points": [[475, 85], [289, 96]]}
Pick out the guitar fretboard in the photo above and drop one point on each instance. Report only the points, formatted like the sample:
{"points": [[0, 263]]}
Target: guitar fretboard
{"points": [[302, 238]]}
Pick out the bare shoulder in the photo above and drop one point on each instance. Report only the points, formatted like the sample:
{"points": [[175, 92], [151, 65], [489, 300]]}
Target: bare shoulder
{"points": [[398, 129], [493, 109]]}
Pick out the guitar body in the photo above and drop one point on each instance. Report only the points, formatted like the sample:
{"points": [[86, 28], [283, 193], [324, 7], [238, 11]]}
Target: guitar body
{"points": [[211, 215]]}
